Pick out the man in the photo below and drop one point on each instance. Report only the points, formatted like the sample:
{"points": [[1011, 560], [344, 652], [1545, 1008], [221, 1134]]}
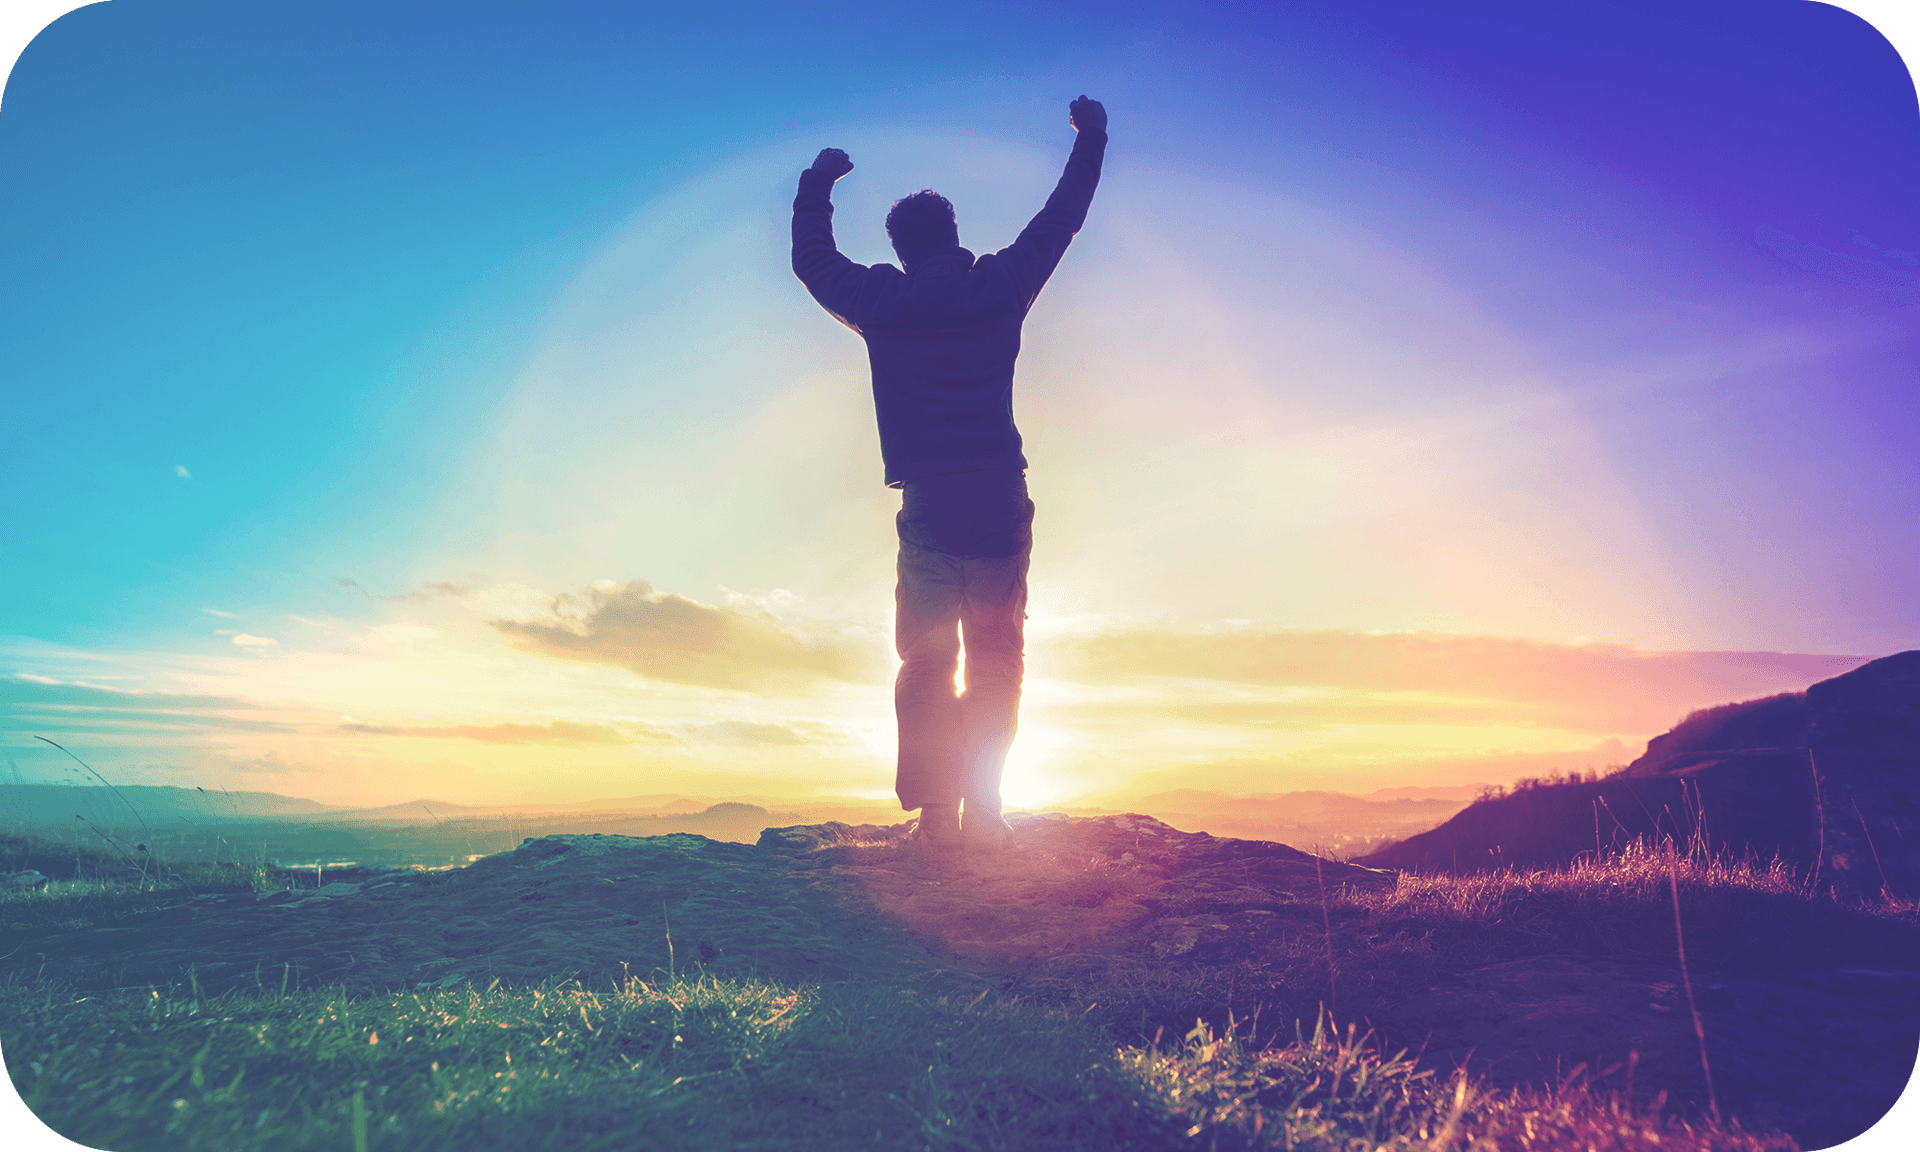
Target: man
{"points": [[942, 336]]}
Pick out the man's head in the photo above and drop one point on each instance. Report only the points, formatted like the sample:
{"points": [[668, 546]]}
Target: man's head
{"points": [[921, 221]]}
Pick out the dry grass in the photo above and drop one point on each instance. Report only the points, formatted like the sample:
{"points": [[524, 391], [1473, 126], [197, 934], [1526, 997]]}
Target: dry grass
{"points": [[1333, 1091], [1741, 915]]}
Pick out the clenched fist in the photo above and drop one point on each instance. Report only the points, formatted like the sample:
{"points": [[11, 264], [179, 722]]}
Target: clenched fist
{"points": [[1087, 115], [833, 162]]}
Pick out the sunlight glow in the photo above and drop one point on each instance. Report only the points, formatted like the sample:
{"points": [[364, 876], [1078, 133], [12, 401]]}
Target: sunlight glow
{"points": [[1034, 776]]}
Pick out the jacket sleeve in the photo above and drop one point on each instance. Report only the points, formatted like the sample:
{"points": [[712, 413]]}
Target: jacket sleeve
{"points": [[831, 278], [1039, 247]]}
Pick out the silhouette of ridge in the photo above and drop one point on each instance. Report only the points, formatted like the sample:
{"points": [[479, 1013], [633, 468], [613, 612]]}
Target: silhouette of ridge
{"points": [[1825, 779]]}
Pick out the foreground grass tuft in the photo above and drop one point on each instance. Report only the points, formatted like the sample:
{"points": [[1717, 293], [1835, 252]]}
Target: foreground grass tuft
{"points": [[1333, 1092]]}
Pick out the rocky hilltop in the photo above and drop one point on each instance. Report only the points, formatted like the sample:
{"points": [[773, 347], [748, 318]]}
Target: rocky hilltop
{"points": [[813, 902], [1828, 779]]}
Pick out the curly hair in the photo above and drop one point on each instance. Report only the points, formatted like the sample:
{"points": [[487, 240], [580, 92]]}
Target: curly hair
{"points": [[921, 221]]}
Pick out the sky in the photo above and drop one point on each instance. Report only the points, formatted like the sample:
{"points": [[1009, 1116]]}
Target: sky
{"points": [[416, 400]]}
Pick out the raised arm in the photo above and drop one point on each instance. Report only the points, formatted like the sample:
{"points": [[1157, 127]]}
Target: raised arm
{"points": [[828, 276], [1039, 247]]}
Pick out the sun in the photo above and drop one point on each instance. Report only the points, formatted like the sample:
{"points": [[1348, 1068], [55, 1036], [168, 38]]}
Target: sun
{"points": [[1035, 775]]}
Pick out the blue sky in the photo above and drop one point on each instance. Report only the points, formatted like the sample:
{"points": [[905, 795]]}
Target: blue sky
{"points": [[341, 335]]}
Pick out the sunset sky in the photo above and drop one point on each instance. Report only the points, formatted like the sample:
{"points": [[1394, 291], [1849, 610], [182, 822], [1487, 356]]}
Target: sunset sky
{"points": [[415, 399]]}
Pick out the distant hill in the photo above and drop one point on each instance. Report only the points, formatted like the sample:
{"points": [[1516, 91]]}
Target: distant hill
{"points": [[132, 803], [1460, 792], [1828, 779], [408, 812], [1331, 821]]}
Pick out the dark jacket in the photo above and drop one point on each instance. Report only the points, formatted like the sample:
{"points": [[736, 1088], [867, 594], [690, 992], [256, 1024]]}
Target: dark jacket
{"points": [[942, 335]]}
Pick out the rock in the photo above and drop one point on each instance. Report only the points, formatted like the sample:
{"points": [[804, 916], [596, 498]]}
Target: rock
{"points": [[23, 881], [823, 902], [1828, 779], [806, 837]]}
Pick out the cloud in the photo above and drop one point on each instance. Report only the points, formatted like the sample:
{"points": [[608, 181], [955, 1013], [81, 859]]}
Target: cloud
{"points": [[555, 732], [180, 470], [664, 636], [40, 704], [752, 733], [730, 732], [431, 590], [28, 688], [217, 612], [242, 638], [1904, 286], [1481, 679], [1333, 710], [1356, 770]]}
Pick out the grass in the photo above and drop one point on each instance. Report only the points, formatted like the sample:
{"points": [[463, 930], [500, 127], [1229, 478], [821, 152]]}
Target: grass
{"points": [[691, 1063], [1364, 950], [88, 886], [706, 1064], [695, 1062], [1740, 915]]}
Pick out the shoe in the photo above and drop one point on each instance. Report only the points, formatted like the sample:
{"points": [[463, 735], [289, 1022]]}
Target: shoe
{"points": [[986, 832], [938, 826]]}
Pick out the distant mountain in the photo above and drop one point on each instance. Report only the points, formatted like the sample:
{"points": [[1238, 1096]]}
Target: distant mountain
{"points": [[133, 803], [411, 811], [1333, 821], [428, 811], [1461, 792], [1297, 805]]}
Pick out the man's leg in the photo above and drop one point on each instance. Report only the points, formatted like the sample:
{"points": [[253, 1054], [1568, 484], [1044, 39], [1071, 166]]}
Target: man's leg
{"points": [[993, 613], [926, 618]]}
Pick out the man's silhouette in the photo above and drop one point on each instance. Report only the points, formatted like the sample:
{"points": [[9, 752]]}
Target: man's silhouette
{"points": [[941, 339]]}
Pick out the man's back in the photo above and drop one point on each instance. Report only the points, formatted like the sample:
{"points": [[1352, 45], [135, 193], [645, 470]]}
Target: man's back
{"points": [[942, 335]]}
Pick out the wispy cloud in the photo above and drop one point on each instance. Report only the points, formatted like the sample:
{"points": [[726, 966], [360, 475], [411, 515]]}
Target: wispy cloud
{"points": [[744, 733], [1843, 266], [40, 704], [1435, 677], [431, 590], [664, 636], [245, 640], [748, 732], [553, 732], [28, 688], [180, 470], [217, 612]]}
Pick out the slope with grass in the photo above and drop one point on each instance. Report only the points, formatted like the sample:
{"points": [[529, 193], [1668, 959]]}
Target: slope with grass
{"points": [[1131, 928], [1828, 779]]}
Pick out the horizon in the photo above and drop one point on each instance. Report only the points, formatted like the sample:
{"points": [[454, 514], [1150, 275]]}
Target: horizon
{"points": [[662, 801], [425, 406]]}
